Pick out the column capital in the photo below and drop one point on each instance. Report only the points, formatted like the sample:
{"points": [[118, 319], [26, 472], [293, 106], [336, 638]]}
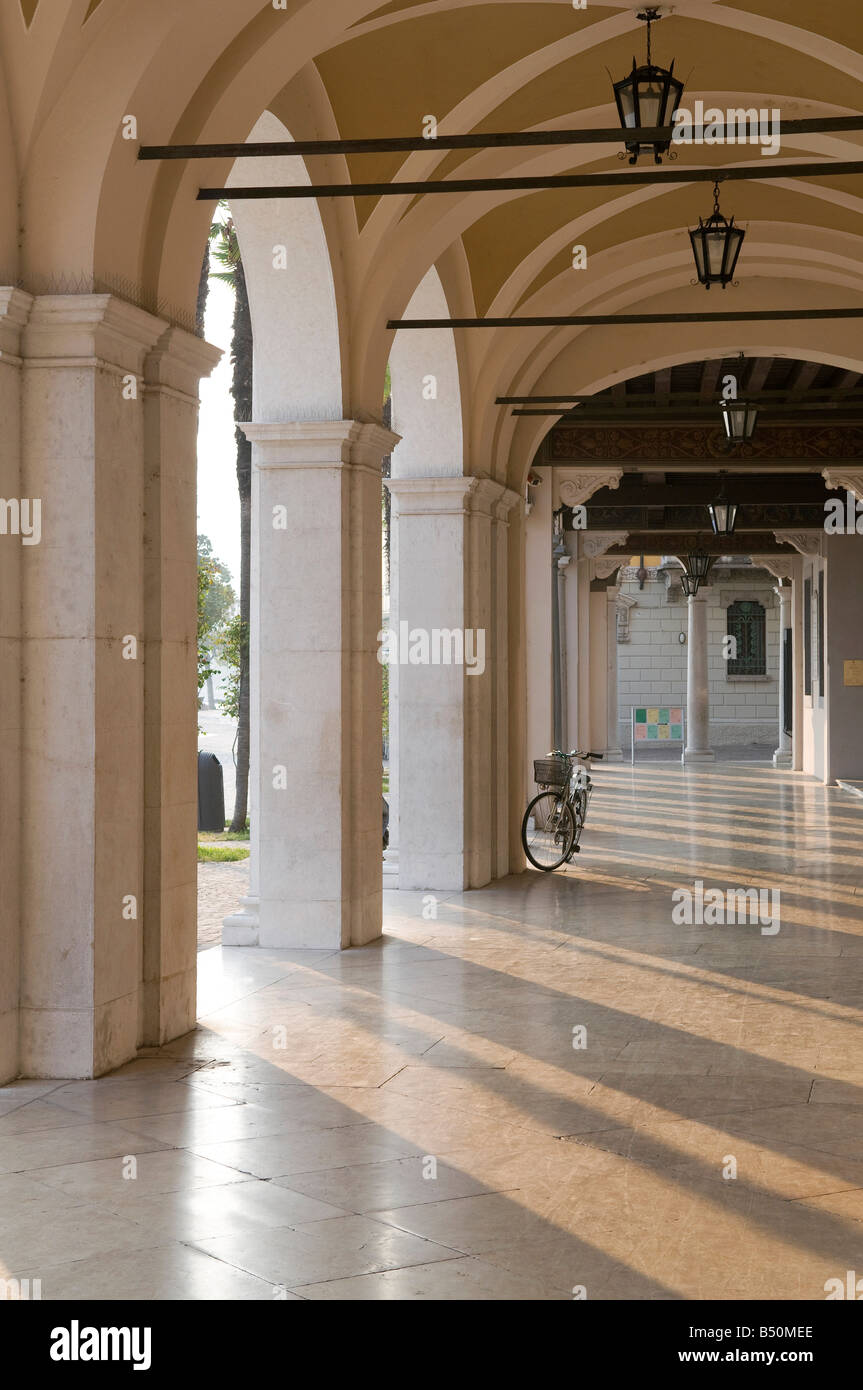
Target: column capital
{"points": [[432, 496], [15, 308], [494, 498], [179, 360], [88, 330], [318, 443], [578, 484], [452, 493]]}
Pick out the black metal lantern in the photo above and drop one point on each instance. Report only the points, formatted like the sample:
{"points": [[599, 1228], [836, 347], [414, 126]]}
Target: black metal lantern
{"points": [[689, 583], [739, 419], [716, 246], [723, 514], [648, 96], [698, 566]]}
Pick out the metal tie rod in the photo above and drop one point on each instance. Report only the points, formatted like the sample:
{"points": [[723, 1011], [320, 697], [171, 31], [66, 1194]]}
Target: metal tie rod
{"points": [[478, 140], [592, 320], [824, 167]]}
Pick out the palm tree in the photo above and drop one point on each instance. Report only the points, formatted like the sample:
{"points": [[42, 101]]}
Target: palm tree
{"points": [[225, 251]]}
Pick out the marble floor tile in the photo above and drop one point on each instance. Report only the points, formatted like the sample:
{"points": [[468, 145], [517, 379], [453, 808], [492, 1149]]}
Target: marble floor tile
{"points": [[171, 1272], [168, 1170], [334, 1249], [273, 1156], [73, 1144], [368, 1188], [446, 1280], [235, 1208], [576, 1069]]}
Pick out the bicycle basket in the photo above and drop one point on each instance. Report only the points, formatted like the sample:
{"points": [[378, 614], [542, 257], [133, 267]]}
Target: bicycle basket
{"points": [[551, 772]]}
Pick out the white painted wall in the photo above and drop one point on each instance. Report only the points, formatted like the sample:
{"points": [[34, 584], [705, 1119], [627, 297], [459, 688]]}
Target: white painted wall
{"points": [[652, 664]]}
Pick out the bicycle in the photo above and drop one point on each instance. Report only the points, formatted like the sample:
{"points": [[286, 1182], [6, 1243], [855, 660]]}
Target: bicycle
{"points": [[554, 819]]}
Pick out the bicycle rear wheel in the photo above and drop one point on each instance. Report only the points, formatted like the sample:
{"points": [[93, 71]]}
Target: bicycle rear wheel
{"points": [[548, 831], [579, 810]]}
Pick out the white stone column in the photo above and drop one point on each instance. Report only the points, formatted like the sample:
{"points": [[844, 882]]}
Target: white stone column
{"points": [[451, 719], [613, 751], [590, 657], [241, 927], [566, 578], [698, 748], [172, 371], [797, 663], [538, 578], [843, 655], [506, 512], [807, 544], [14, 555], [391, 853], [782, 755], [110, 616], [318, 741]]}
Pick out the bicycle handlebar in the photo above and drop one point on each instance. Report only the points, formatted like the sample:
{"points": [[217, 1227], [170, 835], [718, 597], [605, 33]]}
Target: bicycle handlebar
{"points": [[575, 753]]}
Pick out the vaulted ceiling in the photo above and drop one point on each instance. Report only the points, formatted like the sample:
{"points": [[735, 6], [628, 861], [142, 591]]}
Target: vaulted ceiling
{"points": [[206, 69]]}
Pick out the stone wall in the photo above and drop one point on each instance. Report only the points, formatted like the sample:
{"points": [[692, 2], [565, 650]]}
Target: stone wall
{"points": [[652, 662]]}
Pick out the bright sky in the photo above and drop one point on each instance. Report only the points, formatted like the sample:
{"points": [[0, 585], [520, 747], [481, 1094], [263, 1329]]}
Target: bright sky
{"points": [[218, 499]]}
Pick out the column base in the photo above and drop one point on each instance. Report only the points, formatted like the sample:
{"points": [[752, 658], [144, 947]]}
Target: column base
{"points": [[242, 928], [613, 755], [704, 755], [782, 757], [434, 872], [391, 868]]}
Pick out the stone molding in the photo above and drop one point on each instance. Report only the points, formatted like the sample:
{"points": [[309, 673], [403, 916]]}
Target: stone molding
{"points": [[729, 596]]}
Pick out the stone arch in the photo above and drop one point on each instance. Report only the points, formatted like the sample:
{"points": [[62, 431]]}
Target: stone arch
{"points": [[296, 322]]}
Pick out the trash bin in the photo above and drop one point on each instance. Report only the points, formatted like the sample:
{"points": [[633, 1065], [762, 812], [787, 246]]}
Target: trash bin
{"points": [[211, 793]]}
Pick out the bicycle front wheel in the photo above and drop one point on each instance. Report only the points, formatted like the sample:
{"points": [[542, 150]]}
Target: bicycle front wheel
{"points": [[548, 831]]}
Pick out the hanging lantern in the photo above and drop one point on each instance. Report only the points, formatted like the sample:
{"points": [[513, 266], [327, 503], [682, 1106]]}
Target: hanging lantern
{"points": [[723, 514], [648, 96], [689, 583], [698, 566], [716, 246], [739, 419]]}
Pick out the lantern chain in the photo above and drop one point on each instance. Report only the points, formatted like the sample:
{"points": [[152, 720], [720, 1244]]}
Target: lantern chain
{"points": [[649, 16]]}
